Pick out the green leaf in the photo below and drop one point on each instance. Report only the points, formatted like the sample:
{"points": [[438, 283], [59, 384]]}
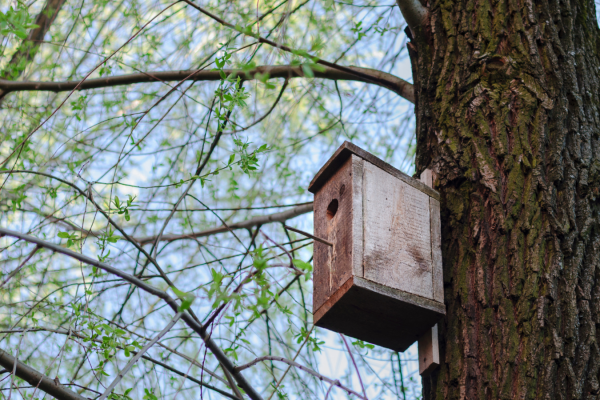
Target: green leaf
{"points": [[308, 71], [186, 298], [63, 235], [21, 34], [302, 265]]}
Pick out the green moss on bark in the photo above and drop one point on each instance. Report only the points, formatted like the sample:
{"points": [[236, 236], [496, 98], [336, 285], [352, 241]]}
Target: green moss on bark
{"points": [[508, 116]]}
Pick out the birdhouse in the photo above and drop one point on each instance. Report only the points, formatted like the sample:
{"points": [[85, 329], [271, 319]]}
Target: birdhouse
{"points": [[380, 277]]}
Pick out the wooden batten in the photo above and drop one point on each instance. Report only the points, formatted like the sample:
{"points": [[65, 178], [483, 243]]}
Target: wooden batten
{"points": [[381, 280], [428, 343], [429, 351]]}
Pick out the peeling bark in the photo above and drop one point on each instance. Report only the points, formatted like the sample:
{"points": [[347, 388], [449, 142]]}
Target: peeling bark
{"points": [[507, 103]]}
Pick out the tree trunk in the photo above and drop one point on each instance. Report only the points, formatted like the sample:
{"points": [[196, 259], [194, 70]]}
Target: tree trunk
{"points": [[507, 96]]}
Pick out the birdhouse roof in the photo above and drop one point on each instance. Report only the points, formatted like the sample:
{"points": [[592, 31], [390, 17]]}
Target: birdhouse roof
{"points": [[345, 151]]}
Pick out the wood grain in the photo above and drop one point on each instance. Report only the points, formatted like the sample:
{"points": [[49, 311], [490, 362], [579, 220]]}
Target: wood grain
{"points": [[381, 315], [381, 280], [397, 233], [429, 351], [428, 343], [333, 264], [436, 250]]}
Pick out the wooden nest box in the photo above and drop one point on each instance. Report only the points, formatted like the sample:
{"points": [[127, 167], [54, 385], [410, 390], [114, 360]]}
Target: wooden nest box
{"points": [[381, 281]]}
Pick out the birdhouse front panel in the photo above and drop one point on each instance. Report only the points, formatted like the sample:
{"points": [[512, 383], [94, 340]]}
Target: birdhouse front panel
{"points": [[397, 237], [381, 280]]}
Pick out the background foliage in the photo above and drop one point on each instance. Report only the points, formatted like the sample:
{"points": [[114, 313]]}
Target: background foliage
{"points": [[136, 151]]}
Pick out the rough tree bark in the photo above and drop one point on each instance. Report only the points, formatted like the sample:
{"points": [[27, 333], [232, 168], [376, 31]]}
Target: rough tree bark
{"points": [[507, 96]]}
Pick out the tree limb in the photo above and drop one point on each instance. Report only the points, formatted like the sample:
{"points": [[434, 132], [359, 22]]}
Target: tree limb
{"points": [[383, 79], [248, 32], [171, 302], [260, 220], [37, 379]]}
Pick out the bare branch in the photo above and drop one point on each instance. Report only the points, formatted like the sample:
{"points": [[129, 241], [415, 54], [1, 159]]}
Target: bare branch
{"points": [[171, 302], [303, 368], [383, 79], [37, 379], [263, 219]]}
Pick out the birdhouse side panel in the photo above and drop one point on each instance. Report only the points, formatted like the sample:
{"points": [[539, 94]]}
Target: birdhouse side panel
{"points": [[436, 250], [397, 233], [333, 221]]}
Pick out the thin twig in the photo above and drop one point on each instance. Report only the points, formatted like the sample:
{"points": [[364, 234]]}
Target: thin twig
{"points": [[355, 366], [140, 353], [329, 390], [309, 235], [289, 366], [171, 302], [16, 270], [353, 71], [303, 368]]}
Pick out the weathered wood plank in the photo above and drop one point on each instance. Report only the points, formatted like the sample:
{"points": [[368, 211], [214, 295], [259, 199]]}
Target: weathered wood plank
{"points": [[357, 212], [378, 282], [397, 234], [427, 178], [428, 343], [379, 314], [436, 250], [333, 219], [429, 351]]}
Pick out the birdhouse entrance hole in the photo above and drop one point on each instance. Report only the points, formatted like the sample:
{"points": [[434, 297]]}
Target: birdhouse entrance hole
{"points": [[332, 209]]}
